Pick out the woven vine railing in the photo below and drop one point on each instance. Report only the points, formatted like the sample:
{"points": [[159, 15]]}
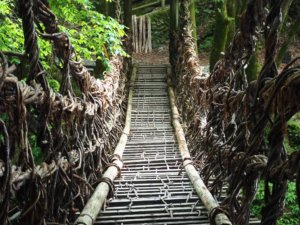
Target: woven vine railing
{"points": [[75, 133], [227, 118]]}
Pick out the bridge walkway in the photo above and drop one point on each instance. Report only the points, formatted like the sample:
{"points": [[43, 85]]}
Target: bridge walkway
{"points": [[153, 188]]}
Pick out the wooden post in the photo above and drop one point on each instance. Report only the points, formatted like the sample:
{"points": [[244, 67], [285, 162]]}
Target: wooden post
{"points": [[140, 33], [132, 32], [136, 38], [193, 21], [149, 35], [144, 34]]}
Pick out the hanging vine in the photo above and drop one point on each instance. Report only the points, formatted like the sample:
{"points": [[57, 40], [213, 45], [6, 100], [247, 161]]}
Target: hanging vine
{"points": [[227, 118], [75, 133]]}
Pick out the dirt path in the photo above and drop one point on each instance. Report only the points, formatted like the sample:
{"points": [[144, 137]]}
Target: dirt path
{"points": [[161, 56]]}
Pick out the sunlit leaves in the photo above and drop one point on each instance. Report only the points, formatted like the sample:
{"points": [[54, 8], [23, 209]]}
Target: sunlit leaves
{"points": [[5, 7], [92, 34], [11, 35]]}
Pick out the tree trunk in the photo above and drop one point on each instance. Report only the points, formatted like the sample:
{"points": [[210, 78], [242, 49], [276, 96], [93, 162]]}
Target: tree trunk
{"points": [[174, 8], [231, 13], [220, 33], [240, 7], [253, 67], [128, 13], [149, 34], [291, 34], [285, 9], [128, 23], [112, 9], [293, 30], [174, 16], [102, 6], [193, 20]]}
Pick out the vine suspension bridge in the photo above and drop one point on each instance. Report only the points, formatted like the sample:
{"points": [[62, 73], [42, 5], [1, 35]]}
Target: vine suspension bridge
{"points": [[188, 150]]}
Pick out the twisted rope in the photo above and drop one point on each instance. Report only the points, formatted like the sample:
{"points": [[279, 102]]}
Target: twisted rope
{"points": [[227, 118]]}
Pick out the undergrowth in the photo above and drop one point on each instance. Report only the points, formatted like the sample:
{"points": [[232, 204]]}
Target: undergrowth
{"points": [[291, 212]]}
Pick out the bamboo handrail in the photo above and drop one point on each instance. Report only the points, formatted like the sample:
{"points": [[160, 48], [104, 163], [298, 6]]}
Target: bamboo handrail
{"points": [[203, 193], [97, 200]]}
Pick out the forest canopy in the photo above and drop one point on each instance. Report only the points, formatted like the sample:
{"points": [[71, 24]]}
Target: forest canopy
{"points": [[91, 33]]}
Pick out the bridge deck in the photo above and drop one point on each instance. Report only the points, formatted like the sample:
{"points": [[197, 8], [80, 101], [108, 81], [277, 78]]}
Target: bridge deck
{"points": [[152, 188]]}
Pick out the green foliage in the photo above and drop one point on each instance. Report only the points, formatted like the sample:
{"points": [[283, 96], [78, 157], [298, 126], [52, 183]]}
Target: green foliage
{"points": [[11, 35], [294, 11], [4, 116], [45, 53], [287, 146], [294, 134], [54, 84], [253, 67], [160, 27], [206, 44], [92, 34], [36, 150], [292, 140], [205, 24], [291, 213]]}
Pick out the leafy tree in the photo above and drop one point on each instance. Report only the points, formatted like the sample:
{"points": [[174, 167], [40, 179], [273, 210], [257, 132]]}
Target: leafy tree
{"points": [[11, 35], [222, 25], [290, 28], [92, 34]]}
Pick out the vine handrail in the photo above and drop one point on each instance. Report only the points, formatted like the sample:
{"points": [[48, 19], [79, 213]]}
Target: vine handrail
{"points": [[227, 118], [75, 133]]}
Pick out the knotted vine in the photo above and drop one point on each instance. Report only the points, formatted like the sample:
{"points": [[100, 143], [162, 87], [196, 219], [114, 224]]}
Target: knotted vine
{"points": [[75, 132], [227, 118]]}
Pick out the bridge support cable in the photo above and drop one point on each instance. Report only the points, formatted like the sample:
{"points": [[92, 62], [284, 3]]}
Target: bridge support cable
{"points": [[105, 187], [206, 197]]}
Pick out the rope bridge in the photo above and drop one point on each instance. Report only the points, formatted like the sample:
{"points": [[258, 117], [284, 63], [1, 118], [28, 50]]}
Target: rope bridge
{"points": [[227, 118], [74, 132], [85, 147]]}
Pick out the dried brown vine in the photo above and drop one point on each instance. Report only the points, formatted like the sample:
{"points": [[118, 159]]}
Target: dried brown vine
{"points": [[75, 133], [227, 118]]}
